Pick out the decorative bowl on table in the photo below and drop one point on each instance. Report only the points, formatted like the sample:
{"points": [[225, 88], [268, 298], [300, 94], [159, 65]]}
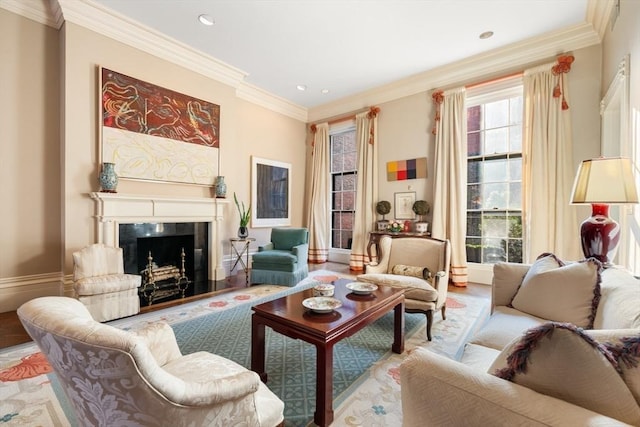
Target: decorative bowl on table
{"points": [[322, 304], [361, 288], [323, 290]]}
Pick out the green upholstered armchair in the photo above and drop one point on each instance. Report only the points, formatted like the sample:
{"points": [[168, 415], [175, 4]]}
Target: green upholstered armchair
{"points": [[283, 261]]}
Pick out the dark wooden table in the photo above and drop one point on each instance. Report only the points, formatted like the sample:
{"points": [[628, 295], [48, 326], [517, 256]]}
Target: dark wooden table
{"points": [[289, 317]]}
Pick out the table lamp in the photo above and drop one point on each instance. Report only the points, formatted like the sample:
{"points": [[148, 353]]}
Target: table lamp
{"points": [[602, 182]]}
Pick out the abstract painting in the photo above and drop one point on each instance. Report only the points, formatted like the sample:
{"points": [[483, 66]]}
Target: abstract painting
{"points": [[400, 170], [270, 193], [153, 133]]}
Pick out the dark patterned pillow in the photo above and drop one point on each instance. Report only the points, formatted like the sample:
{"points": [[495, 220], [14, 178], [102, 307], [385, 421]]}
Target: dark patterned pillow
{"points": [[560, 360], [409, 270]]}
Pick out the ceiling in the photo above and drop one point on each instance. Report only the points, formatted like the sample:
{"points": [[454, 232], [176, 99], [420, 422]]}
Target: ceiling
{"points": [[346, 46]]}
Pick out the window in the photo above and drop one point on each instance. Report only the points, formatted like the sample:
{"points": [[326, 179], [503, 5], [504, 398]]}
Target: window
{"points": [[494, 176], [343, 187]]}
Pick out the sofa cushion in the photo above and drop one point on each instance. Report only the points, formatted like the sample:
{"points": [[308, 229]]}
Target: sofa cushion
{"points": [[561, 292], [416, 288], [624, 345], [503, 326], [410, 270], [619, 306], [560, 360], [106, 284]]}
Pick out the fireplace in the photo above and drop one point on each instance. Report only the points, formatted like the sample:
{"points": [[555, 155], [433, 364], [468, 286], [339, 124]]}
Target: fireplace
{"points": [[142, 223], [177, 253]]}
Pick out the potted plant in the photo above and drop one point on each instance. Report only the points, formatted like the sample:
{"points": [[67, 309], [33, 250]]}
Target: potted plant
{"points": [[382, 208], [245, 214], [421, 208]]}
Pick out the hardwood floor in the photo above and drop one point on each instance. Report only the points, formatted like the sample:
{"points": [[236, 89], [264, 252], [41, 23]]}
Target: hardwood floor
{"points": [[12, 333]]}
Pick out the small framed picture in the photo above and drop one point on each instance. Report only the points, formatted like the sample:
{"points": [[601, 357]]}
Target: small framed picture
{"points": [[404, 205]]}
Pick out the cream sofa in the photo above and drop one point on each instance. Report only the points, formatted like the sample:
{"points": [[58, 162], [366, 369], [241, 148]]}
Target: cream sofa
{"points": [[437, 391]]}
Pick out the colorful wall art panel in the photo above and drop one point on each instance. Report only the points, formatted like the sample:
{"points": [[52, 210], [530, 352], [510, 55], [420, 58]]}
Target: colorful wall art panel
{"points": [[400, 170], [153, 133]]}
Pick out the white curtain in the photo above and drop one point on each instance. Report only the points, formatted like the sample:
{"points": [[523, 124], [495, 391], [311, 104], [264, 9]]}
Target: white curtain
{"points": [[367, 189], [318, 214], [550, 223], [450, 180]]}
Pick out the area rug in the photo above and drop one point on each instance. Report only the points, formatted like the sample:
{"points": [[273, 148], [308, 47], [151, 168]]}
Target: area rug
{"points": [[366, 387]]}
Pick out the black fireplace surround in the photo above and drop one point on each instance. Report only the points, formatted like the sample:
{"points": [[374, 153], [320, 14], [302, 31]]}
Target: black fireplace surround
{"points": [[165, 241]]}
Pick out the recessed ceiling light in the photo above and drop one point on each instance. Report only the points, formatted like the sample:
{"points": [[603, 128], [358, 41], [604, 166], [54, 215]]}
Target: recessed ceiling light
{"points": [[486, 35], [206, 20], [301, 87], [325, 91]]}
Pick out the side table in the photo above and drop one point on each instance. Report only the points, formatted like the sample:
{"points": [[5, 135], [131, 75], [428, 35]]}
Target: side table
{"points": [[240, 247]]}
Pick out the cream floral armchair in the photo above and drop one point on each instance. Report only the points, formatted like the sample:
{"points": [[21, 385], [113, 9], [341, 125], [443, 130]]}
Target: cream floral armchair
{"points": [[114, 377]]}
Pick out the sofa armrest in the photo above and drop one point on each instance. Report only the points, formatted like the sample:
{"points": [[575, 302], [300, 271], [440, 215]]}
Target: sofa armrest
{"points": [[302, 252], [161, 341], [265, 247], [447, 393], [507, 278]]}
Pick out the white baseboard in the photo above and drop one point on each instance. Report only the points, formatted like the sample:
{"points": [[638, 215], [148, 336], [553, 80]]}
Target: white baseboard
{"points": [[15, 291]]}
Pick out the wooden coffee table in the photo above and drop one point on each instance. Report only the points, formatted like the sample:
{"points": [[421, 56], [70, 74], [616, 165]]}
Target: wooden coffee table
{"points": [[287, 316]]}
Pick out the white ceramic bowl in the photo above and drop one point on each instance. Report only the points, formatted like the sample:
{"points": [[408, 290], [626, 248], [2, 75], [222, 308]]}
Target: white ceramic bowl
{"points": [[322, 304], [361, 288], [323, 290]]}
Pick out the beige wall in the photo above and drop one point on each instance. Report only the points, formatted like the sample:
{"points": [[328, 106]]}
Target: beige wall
{"points": [[30, 161]]}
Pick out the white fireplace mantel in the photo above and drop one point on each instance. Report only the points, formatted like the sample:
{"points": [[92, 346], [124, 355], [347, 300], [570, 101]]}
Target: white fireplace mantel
{"points": [[113, 209]]}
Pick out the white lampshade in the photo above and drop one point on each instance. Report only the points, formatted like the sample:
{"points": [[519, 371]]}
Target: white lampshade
{"points": [[605, 180]]}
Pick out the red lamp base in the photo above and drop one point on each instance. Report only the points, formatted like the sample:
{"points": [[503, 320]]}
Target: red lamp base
{"points": [[600, 234]]}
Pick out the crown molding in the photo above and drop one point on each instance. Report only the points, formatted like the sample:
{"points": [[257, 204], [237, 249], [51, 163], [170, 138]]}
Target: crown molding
{"points": [[599, 14], [45, 12], [501, 60], [259, 96]]}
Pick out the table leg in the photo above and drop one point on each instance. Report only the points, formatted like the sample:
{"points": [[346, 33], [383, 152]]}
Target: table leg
{"points": [[246, 267], [398, 328], [324, 385], [257, 347]]}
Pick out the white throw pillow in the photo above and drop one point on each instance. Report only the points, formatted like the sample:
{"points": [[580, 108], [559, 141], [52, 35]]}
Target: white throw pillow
{"points": [[561, 292], [560, 360]]}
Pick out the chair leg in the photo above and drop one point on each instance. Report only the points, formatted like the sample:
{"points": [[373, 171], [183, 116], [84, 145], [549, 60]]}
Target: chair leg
{"points": [[444, 307], [429, 314]]}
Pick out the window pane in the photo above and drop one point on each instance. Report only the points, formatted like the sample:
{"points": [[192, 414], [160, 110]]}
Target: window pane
{"points": [[515, 251], [349, 201], [474, 224], [516, 110], [494, 225], [349, 182], [474, 200], [515, 138], [337, 201], [474, 250], [474, 144], [494, 251], [495, 170], [496, 114], [495, 196], [350, 161], [474, 116], [495, 141], [337, 182], [515, 195], [515, 169], [473, 171], [515, 226]]}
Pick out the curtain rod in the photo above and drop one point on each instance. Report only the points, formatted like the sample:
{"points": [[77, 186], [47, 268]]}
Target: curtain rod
{"points": [[494, 80], [347, 117]]}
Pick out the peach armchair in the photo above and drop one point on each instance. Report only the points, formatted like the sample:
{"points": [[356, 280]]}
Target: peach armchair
{"points": [[114, 377]]}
